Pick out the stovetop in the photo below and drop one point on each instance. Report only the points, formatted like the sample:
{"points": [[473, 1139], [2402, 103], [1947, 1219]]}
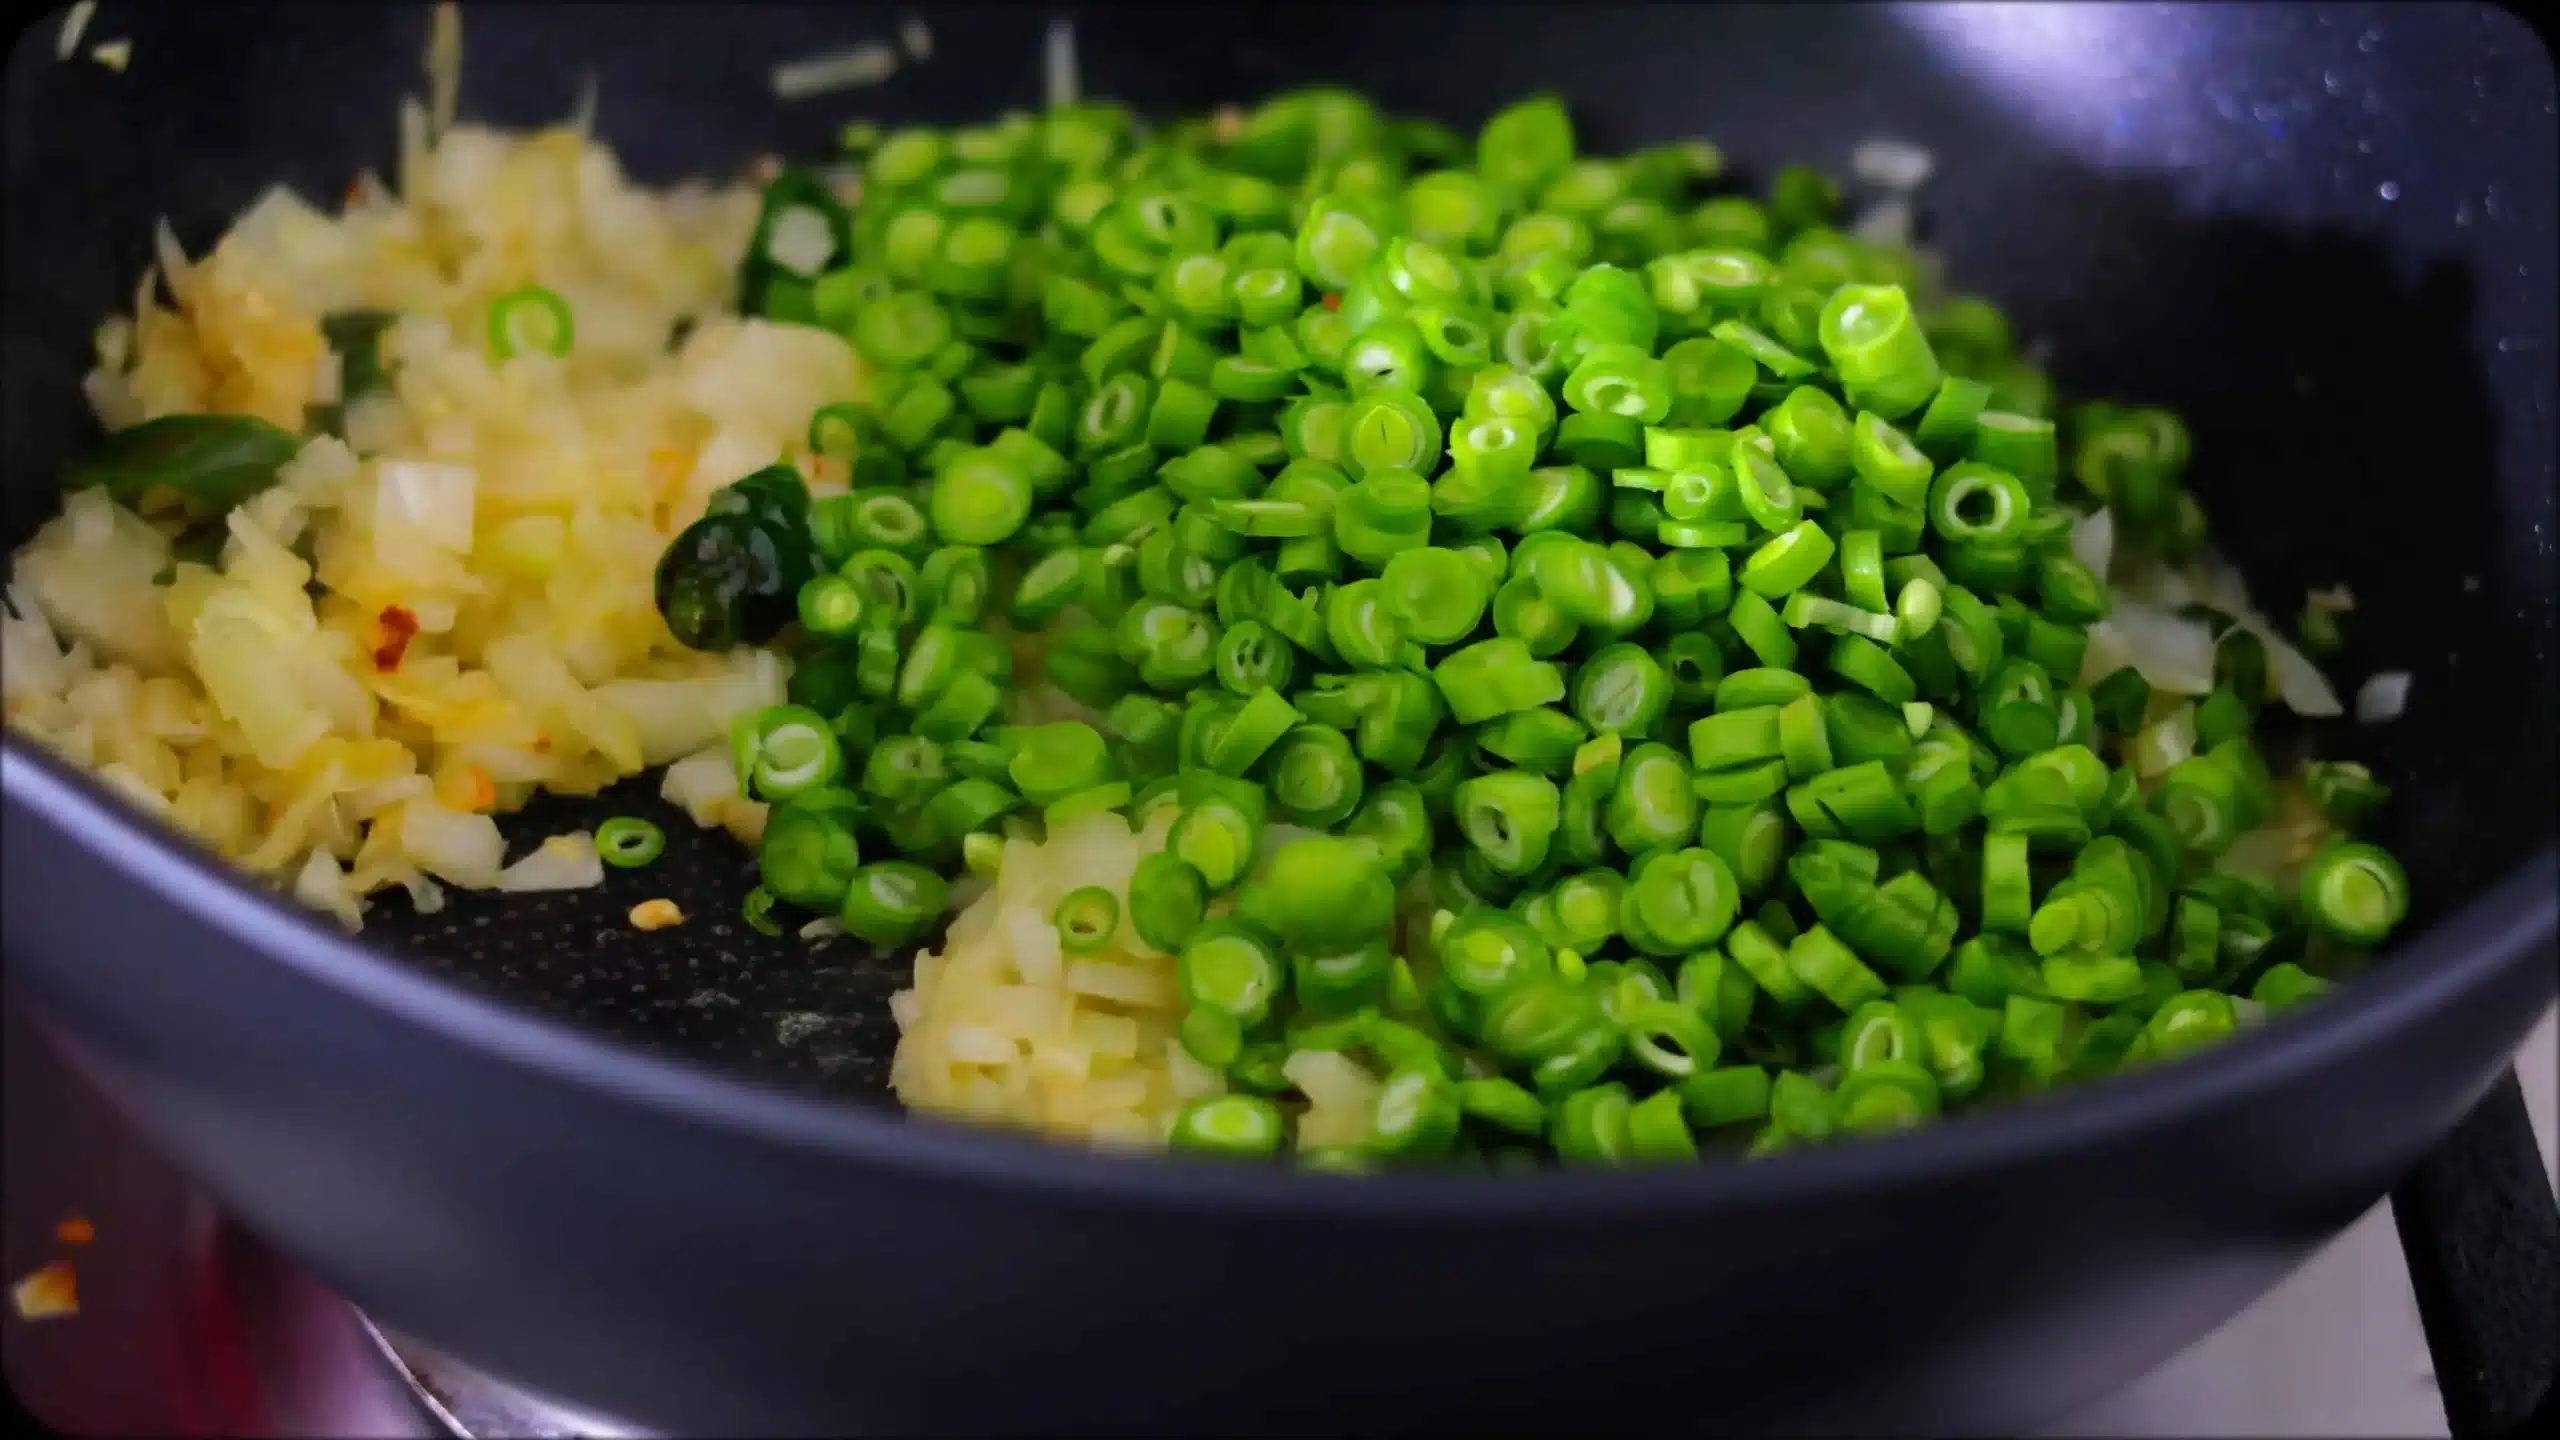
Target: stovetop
{"points": [[188, 1324]]}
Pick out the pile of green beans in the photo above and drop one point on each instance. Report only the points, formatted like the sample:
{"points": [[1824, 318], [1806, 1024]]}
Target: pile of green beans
{"points": [[1660, 590]]}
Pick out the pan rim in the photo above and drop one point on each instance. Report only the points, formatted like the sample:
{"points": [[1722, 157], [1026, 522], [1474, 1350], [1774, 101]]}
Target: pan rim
{"points": [[2503, 926]]}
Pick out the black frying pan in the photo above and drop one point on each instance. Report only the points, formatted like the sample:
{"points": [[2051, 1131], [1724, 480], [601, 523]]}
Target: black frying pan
{"points": [[2324, 235]]}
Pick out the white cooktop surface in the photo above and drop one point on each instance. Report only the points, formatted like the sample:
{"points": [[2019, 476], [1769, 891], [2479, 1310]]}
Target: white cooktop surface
{"points": [[2334, 1351]]}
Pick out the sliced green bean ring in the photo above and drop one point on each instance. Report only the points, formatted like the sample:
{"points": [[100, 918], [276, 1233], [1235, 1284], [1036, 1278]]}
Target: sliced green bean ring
{"points": [[1229, 967], [1621, 688], [1086, 919], [1510, 817], [1436, 594], [1887, 459], [1228, 1125], [1766, 494], [1685, 899], [1972, 502], [628, 842], [2354, 892], [1788, 562], [1487, 952]]}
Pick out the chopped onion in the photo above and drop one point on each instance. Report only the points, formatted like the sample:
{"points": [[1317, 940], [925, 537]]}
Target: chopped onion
{"points": [[323, 886], [465, 849], [74, 20], [744, 820], [2093, 540], [582, 112], [1058, 73], [702, 783], [328, 378], [444, 65], [1891, 164], [672, 718], [114, 54], [2265, 853], [2173, 652], [800, 241], [563, 862], [868, 63], [2336, 599], [1887, 222], [825, 927], [2299, 682], [2383, 697], [424, 497], [1330, 1078], [2164, 743], [425, 896], [917, 37]]}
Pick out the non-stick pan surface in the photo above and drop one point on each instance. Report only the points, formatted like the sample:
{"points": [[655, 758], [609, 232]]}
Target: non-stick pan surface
{"points": [[2323, 234]]}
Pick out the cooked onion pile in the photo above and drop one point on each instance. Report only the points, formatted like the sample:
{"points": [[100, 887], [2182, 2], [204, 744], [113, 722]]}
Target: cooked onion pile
{"points": [[445, 605], [1004, 1025]]}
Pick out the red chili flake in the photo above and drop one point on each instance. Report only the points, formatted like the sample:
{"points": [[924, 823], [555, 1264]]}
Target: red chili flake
{"points": [[397, 626], [1332, 301], [76, 1230]]}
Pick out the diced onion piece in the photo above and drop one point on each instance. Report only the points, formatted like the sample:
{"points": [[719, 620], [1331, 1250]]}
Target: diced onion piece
{"points": [[800, 241], [672, 718], [1891, 164], [2093, 540], [917, 37], [2383, 697], [239, 660], [465, 849], [563, 862], [825, 927], [2162, 744], [1334, 1125], [2335, 599], [2265, 853], [906, 1008], [1123, 984], [2304, 689], [1191, 1079], [424, 498], [2173, 652], [582, 111], [978, 1045], [66, 42], [744, 820], [323, 886], [1330, 1079], [1058, 71], [868, 63], [444, 64], [1887, 222], [759, 380]]}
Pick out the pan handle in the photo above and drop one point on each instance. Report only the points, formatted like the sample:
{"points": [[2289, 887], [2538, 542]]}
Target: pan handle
{"points": [[2481, 1232]]}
